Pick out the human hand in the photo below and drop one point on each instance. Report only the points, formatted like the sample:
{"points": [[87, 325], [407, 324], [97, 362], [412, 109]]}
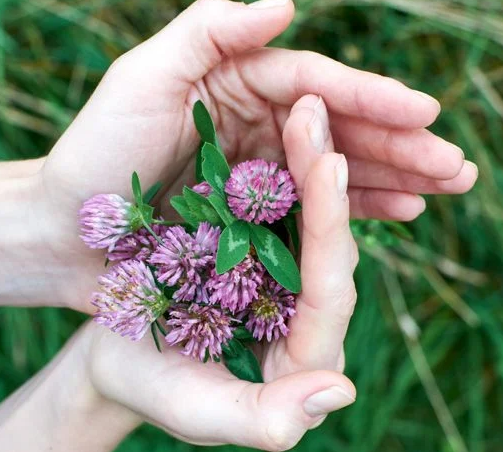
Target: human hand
{"points": [[205, 403], [140, 119], [118, 383]]}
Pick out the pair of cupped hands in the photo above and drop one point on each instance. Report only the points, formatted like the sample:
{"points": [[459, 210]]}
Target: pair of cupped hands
{"points": [[294, 107]]}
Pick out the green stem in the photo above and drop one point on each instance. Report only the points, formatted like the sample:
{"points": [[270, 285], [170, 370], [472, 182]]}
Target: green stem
{"points": [[165, 223], [149, 229], [161, 328], [156, 339]]}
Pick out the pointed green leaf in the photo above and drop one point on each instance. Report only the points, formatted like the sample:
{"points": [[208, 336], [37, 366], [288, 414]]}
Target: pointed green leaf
{"points": [[215, 168], [206, 129], [136, 187], [204, 123], [233, 246], [180, 205], [241, 362], [153, 329], [199, 165], [200, 208], [291, 225], [151, 192], [243, 334], [160, 327], [276, 257], [220, 205], [232, 348]]}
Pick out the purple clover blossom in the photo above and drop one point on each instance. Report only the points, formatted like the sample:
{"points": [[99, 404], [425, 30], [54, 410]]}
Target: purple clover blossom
{"points": [[104, 219], [184, 259], [129, 301], [258, 191], [270, 312], [238, 287], [139, 245], [203, 188], [200, 330], [206, 239]]}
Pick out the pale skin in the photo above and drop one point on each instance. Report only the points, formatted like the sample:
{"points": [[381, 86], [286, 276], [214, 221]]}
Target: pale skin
{"points": [[100, 376], [140, 119], [292, 107]]}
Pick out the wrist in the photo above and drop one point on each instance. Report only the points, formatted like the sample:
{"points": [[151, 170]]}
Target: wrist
{"points": [[19, 241], [31, 270], [60, 410]]}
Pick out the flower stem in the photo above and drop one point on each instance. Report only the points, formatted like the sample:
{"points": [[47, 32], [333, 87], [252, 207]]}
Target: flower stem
{"points": [[165, 223], [156, 339], [149, 229], [160, 327]]}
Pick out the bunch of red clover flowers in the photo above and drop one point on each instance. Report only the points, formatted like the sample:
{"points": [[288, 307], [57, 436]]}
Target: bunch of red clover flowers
{"points": [[219, 280]]}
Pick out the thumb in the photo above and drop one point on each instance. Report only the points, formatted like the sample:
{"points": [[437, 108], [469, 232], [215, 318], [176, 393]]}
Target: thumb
{"points": [[210, 30], [273, 416], [293, 404]]}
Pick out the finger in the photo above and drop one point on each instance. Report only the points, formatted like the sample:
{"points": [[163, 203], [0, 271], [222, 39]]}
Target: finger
{"points": [[283, 76], [151, 86], [211, 30], [366, 174], [306, 135], [328, 296], [203, 403], [416, 151], [385, 204], [272, 416]]}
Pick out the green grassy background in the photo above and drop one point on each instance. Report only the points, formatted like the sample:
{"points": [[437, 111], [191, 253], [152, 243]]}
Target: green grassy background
{"points": [[425, 347]]}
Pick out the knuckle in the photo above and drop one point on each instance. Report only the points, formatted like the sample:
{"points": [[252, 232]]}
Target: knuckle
{"points": [[341, 361], [345, 301], [318, 423], [306, 61], [331, 225], [123, 66], [209, 10], [355, 255], [205, 6], [389, 143], [133, 66]]}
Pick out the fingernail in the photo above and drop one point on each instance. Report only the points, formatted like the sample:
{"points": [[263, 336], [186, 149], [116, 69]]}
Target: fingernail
{"points": [[423, 207], [428, 98], [318, 127], [341, 170], [326, 401], [458, 149], [474, 166], [318, 422], [262, 4]]}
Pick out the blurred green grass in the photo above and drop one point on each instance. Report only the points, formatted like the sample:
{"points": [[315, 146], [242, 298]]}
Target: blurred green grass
{"points": [[425, 346]]}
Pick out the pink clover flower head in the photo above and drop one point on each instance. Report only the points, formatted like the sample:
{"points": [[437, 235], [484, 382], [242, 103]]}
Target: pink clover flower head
{"points": [[258, 191], [203, 188], [139, 245], [129, 301], [238, 288], [184, 260], [104, 219], [270, 312], [200, 330], [206, 239]]}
